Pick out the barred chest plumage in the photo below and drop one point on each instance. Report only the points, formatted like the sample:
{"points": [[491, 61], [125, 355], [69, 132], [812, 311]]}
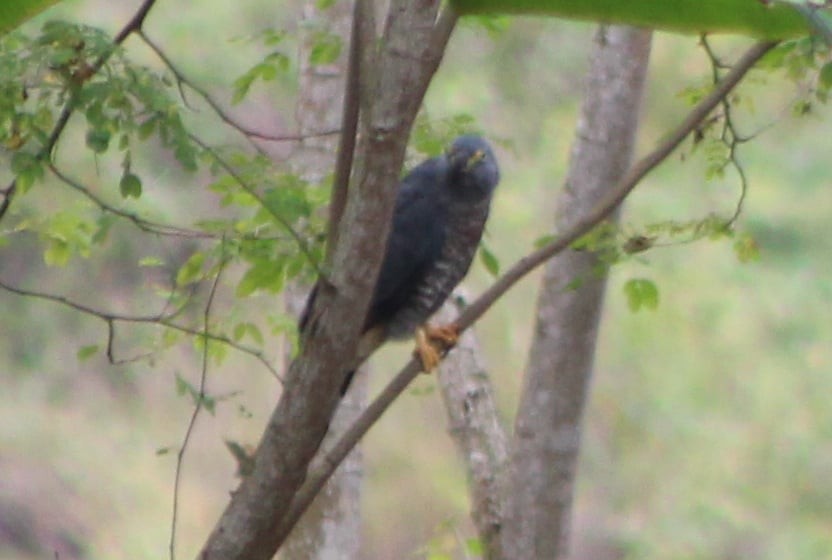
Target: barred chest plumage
{"points": [[464, 228]]}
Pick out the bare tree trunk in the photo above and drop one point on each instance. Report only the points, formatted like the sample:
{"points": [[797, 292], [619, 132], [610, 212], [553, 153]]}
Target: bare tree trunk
{"points": [[548, 426], [476, 430], [331, 527]]}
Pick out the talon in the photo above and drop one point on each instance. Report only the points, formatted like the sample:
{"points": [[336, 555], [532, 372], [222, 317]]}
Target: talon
{"points": [[433, 342], [447, 335]]}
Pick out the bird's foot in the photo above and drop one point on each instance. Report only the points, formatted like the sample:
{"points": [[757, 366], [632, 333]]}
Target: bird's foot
{"points": [[432, 342]]}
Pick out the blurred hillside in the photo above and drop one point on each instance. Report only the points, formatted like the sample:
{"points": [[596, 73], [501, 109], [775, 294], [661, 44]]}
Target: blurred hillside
{"points": [[709, 433]]}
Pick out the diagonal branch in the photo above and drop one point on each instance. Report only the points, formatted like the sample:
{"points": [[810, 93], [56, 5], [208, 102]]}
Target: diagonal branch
{"points": [[323, 468]]}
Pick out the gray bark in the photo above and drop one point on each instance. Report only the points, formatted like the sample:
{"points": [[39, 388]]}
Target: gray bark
{"points": [[331, 527], [476, 430], [548, 426]]}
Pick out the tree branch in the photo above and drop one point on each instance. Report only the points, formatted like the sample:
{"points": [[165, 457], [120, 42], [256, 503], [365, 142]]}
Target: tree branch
{"points": [[322, 469], [162, 319], [477, 431], [349, 123]]}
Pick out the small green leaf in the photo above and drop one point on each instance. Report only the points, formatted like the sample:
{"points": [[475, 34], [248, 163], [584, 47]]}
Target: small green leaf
{"points": [[191, 271], [182, 386], [475, 547], [239, 332], [489, 260], [86, 352], [541, 242], [163, 451], [57, 252], [98, 140], [746, 248], [326, 49], [130, 185], [263, 275], [250, 329], [641, 293], [825, 76]]}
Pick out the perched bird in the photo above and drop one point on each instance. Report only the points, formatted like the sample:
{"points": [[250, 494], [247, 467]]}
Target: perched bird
{"points": [[441, 209]]}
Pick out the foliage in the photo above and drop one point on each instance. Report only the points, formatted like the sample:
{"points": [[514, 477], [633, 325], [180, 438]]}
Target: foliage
{"points": [[270, 223], [776, 20], [15, 12]]}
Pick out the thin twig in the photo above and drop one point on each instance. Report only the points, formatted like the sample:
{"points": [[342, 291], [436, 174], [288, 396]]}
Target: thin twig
{"points": [[323, 468], [221, 113], [729, 136], [162, 319], [180, 456], [141, 223]]}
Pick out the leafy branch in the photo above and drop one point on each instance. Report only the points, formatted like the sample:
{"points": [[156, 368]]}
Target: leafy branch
{"points": [[79, 77]]}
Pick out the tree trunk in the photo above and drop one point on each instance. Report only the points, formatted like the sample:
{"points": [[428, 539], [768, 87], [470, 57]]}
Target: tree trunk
{"points": [[547, 430], [476, 429], [331, 528]]}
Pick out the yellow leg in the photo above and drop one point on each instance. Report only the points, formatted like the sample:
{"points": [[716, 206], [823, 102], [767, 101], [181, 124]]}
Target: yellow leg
{"points": [[433, 342]]}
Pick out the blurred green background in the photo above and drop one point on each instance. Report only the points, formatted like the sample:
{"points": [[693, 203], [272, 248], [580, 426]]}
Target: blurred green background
{"points": [[708, 435]]}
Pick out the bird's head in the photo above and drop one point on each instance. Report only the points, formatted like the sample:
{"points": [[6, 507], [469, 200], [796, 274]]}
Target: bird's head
{"points": [[473, 167]]}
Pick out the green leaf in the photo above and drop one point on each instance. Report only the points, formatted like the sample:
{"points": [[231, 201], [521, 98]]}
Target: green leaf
{"points": [[746, 248], [250, 329], [14, 13], [57, 252], [263, 275], [825, 76], [773, 20], [641, 293], [98, 140], [489, 260], [182, 386], [325, 50], [475, 547], [86, 352], [544, 240], [130, 185], [191, 270]]}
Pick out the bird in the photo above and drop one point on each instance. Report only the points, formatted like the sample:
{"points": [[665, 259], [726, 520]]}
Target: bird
{"points": [[439, 218]]}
